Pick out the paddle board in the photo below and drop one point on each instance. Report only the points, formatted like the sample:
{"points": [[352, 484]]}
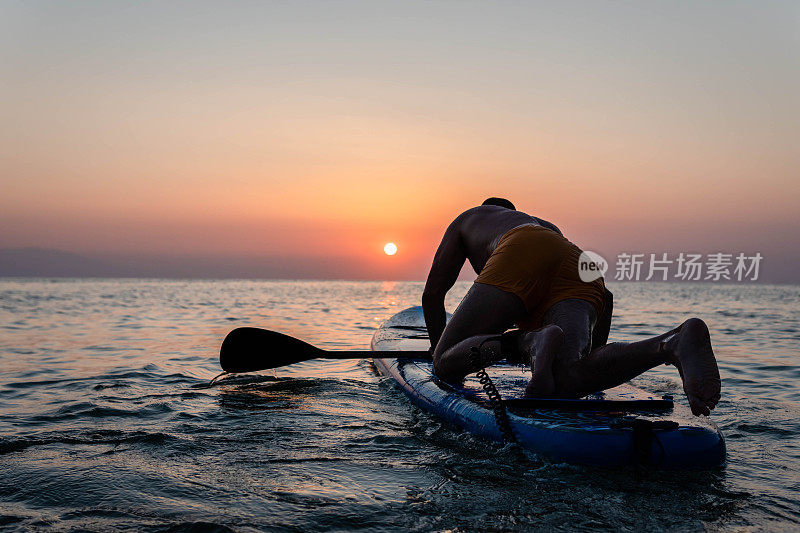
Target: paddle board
{"points": [[614, 428]]}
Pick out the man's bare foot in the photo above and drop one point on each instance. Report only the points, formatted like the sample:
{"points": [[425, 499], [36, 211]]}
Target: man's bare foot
{"points": [[542, 346], [689, 349]]}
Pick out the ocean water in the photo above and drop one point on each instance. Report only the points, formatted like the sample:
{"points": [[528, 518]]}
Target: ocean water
{"points": [[107, 421]]}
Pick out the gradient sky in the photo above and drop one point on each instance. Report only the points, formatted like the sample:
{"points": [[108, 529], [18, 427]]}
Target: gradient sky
{"points": [[325, 129]]}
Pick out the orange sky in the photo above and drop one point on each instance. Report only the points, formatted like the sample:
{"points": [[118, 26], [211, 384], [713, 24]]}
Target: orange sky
{"points": [[268, 131]]}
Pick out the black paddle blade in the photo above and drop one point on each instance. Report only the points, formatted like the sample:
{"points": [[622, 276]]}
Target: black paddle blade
{"points": [[251, 349]]}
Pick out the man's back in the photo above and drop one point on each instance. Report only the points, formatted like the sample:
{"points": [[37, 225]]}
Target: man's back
{"points": [[480, 228]]}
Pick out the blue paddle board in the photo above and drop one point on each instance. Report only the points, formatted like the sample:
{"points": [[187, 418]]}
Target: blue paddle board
{"points": [[613, 428]]}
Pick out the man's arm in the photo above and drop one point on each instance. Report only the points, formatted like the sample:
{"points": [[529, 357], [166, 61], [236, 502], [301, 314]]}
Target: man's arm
{"points": [[447, 264]]}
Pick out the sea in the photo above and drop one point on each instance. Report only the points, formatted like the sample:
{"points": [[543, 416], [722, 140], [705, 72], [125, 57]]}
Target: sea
{"points": [[108, 421]]}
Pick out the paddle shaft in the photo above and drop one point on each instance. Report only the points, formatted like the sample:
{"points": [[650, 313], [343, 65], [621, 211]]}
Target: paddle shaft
{"points": [[386, 354]]}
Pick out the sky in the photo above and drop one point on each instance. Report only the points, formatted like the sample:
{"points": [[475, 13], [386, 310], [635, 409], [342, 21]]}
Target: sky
{"points": [[306, 135]]}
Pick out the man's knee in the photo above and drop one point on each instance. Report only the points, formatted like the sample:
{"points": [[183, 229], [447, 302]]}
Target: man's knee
{"points": [[441, 347], [442, 371], [437, 364], [438, 371]]}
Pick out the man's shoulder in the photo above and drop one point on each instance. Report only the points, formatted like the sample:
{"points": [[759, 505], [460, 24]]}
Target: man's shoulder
{"points": [[465, 216], [472, 211], [469, 218]]}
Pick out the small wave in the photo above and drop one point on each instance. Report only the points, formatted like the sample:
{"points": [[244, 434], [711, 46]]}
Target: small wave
{"points": [[763, 429], [8, 520], [783, 370], [116, 385], [192, 527], [17, 444], [100, 348], [113, 378], [92, 410]]}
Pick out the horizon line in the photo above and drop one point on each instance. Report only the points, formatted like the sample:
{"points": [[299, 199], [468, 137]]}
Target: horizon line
{"points": [[362, 280]]}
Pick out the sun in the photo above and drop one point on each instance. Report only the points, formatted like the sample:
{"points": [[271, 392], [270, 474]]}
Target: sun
{"points": [[390, 248]]}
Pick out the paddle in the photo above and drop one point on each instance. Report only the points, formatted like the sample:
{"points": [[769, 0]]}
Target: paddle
{"points": [[250, 349]]}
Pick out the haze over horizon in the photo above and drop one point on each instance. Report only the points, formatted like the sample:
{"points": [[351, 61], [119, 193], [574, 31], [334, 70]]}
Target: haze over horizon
{"points": [[311, 134]]}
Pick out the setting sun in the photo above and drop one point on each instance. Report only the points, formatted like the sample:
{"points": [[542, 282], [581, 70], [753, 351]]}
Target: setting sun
{"points": [[390, 248]]}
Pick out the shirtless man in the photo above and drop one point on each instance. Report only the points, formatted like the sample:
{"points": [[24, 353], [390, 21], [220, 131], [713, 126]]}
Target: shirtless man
{"points": [[528, 277]]}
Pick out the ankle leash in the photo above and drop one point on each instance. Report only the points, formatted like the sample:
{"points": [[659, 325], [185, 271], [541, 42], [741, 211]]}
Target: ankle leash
{"points": [[495, 400]]}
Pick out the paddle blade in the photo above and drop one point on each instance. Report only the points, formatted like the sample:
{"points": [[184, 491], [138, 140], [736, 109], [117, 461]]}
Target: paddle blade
{"points": [[250, 349]]}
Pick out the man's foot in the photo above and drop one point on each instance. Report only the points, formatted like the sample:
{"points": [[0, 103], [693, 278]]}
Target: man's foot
{"points": [[689, 349], [542, 346]]}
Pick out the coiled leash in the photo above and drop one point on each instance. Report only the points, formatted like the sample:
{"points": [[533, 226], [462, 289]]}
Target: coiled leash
{"points": [[495, 400]]}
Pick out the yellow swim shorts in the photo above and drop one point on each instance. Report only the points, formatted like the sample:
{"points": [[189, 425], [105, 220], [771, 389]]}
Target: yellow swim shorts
{"points": [[541, 267]]}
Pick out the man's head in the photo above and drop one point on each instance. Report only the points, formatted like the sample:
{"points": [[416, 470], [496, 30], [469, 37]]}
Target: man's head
{"points": [[502, 202]]}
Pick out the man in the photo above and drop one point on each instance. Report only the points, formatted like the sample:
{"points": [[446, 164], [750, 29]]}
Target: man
{"points": [[528, 277]]}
